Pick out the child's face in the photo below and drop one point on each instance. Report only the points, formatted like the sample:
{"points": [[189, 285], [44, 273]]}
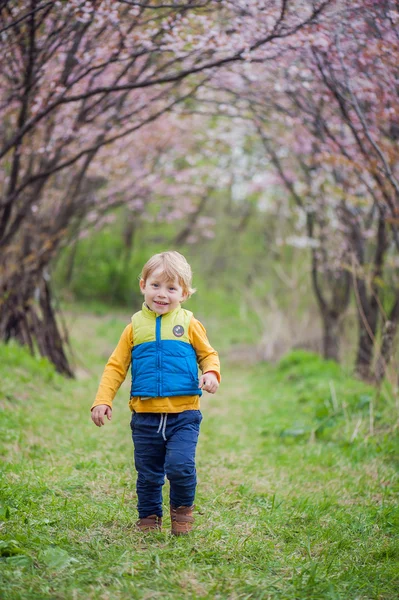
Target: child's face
{"points": [[160, 294]]}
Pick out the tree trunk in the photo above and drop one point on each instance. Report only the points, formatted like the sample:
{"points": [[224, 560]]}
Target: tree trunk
{"points": [[367, 320], [26, 310], [331, 335], [369, 304], [364, 353], [387, 345], [71, 262], [333, 300]]}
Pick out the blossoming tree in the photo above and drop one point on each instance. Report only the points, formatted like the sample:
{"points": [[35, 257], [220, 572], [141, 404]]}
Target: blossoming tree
{"points": [[78, 76]]}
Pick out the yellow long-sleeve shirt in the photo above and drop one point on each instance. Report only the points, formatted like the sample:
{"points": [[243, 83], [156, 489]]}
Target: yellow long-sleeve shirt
{"points": [[118, 364]]}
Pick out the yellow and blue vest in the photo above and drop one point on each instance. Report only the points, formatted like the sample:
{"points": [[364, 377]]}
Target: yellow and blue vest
{"points": [[164, 362]]}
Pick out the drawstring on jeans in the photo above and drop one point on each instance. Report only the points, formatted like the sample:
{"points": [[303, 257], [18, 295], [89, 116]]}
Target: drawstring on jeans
{"points": [[162, 425]]}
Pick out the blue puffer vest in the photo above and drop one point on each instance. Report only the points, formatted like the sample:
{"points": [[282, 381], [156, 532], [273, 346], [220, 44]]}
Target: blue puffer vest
{"points": [[164, 362]]}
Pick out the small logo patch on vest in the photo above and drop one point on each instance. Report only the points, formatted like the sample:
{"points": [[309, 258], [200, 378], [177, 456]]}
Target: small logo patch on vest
{"points": [[178, 330]]}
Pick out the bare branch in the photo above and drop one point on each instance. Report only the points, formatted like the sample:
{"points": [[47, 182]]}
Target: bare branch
{"points": [[25, 16]]}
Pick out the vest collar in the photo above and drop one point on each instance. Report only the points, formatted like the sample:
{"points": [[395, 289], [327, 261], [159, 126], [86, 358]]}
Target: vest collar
{"points": [[150, 314]]}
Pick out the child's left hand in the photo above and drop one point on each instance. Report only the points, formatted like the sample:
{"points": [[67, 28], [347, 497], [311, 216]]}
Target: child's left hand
{"points": [[209, 382]]}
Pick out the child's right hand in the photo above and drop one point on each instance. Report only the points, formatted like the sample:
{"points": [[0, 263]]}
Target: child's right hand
{"points": [[98, 413]]}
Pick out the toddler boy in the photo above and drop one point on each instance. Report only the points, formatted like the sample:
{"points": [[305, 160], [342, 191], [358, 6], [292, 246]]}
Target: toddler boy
{"points": [[164, 344]]}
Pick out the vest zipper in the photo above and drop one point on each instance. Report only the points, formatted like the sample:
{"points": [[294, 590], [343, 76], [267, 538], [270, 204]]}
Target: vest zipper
{"points": [[158, 346]]}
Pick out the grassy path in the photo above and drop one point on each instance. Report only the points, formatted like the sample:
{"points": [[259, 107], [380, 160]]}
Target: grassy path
{"points": [[294, 500]]}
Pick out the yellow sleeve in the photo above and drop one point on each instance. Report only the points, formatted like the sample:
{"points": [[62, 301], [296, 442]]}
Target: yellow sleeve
{"points": [[208, 358], [116, 369]]}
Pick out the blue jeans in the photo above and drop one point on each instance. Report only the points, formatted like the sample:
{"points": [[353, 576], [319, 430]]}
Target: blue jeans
{"points": [[165, 444]]}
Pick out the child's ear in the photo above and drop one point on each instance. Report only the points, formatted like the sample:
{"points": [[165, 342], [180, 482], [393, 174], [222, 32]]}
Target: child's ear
{"points": [[142, 285]]}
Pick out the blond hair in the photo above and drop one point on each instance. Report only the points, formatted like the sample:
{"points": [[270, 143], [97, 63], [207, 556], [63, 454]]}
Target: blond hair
{"points": [[173, 265]]}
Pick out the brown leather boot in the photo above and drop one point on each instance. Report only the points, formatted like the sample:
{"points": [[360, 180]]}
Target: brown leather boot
{"points": [[150, 523], [182, 519]]}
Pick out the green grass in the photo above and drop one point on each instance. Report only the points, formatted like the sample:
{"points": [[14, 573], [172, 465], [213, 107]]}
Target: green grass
{"points": [[295, 500]]}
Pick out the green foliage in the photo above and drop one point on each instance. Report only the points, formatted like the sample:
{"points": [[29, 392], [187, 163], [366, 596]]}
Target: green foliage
{"points": [[330, 404], [101, 270], [27, 366], [238, 263], [303, 363]]}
